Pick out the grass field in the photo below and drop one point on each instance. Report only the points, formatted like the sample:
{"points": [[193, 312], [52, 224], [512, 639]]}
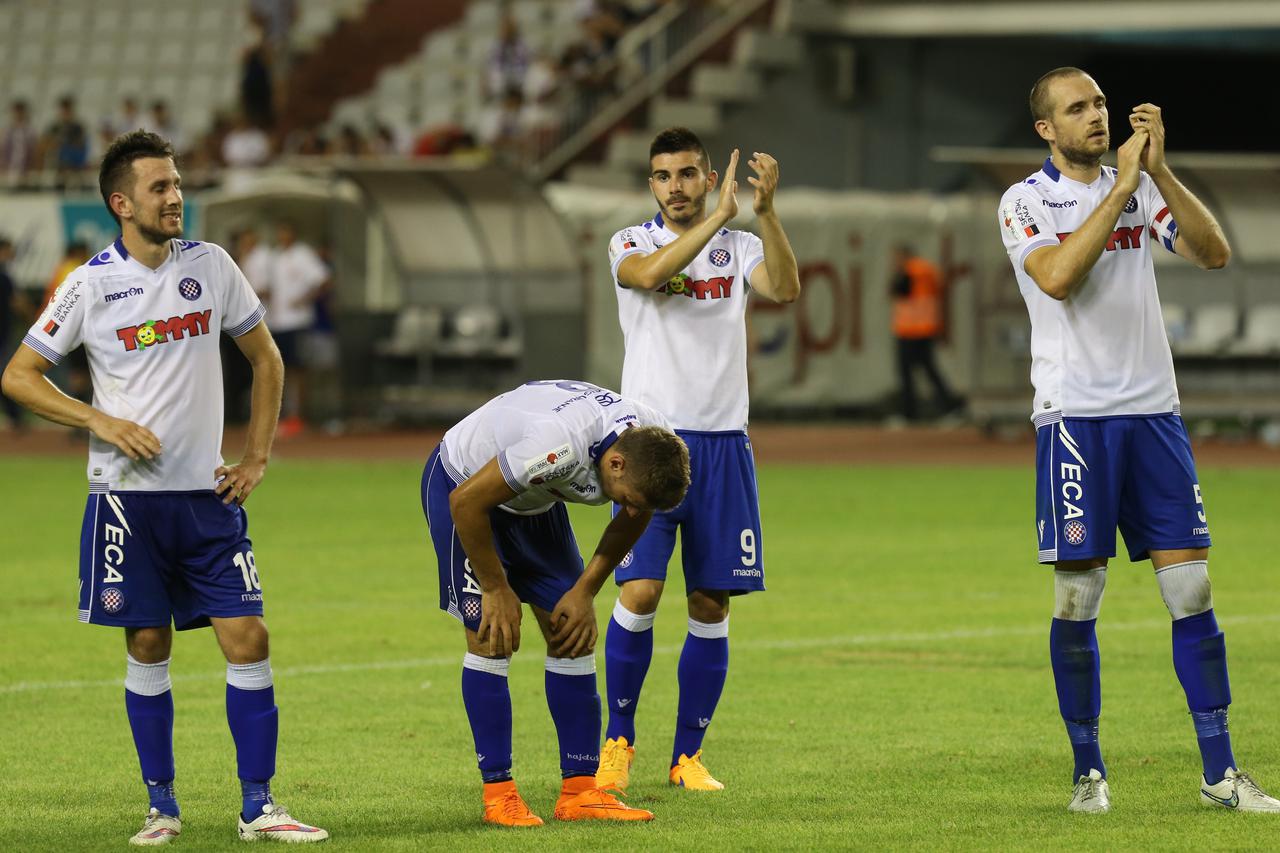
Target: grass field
{"points": [[891, 690]]}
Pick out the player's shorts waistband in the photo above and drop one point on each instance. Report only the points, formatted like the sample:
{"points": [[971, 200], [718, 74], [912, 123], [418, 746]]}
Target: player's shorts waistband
{"points": [[1046, 418], [454, 473], [710, 432]]}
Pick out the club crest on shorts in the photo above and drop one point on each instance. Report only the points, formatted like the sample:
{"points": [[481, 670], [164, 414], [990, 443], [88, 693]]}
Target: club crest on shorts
{"points": [[1074, 532], [626, 561], [112, 600], [471, 608], [719, 257], [190, 289]]}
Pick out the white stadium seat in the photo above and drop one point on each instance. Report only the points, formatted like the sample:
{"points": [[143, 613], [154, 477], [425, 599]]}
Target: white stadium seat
{"points": [[1213, 328], [1261, 332]]}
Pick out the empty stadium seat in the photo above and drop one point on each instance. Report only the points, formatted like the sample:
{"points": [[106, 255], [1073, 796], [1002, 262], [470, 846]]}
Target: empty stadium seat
{"points": [[1213, 328], [1261, 332]]}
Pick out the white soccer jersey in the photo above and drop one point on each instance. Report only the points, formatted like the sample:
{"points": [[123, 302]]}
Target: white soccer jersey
{"points": [[546, 437], [686, 343], [1103, 350], [151, 337], [295, 272]]}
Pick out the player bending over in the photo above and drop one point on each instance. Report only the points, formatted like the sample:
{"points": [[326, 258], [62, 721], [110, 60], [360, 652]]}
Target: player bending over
{"points": [[493, 493]]}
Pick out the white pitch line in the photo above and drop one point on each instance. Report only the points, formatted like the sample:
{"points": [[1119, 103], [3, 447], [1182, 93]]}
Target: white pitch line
{"points": [[737, 646]]}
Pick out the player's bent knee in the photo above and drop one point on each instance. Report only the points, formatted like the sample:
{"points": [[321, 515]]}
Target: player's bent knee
{"points": [[149, 645], [1185, 588], [641, 596], [709, 605]]}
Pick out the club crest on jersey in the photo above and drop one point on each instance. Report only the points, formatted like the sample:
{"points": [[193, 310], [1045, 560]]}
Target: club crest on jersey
{"points": [[146, 335], [190, 289], [719, 257], [112, 600], [720, 287], [1131, 206]]}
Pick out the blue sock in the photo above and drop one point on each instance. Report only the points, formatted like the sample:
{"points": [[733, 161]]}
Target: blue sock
{"points": [[704, 664], [575, 708], [628, 649], [1073, 651], [487, 698], [1200, 660], [255, 724], [151, 719]]}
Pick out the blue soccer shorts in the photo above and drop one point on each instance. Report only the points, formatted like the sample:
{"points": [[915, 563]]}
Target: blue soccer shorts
{"points": [[1096, 474], [148, 559], [719, 521], [538, 552]]}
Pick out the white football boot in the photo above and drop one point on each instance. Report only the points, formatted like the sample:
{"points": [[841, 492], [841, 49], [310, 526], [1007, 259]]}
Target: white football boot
{"points": [[1091, 795], [1237, 791], [275, 824], [157, 829]]}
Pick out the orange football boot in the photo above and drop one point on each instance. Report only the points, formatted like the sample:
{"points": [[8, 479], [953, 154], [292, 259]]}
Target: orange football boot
{"points": [[504, 806], [615, 764], [692, 774], [581, 799]]}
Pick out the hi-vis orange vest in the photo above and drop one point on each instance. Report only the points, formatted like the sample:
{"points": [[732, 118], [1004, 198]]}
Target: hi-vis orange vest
{"points": [[919, 314]]}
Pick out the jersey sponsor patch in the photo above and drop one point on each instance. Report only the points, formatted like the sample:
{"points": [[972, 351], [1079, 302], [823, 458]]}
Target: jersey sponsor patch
{"points": [[554, 461], [64, 299]]}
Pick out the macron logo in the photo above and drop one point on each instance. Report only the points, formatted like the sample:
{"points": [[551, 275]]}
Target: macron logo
{"points": [[123, 294]]}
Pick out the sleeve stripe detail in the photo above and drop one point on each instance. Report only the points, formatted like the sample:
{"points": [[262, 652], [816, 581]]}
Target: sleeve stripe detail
{"points": [[42, 348], [750, 268], [505, 467], [248, 323], [613, 267], [1038, 243]]}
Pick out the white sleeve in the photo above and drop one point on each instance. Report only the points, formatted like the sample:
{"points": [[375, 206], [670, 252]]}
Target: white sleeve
{"points": [[241, 308], [624, 244], [60, 327], [1024, 225], [750, 253], [1160, 223], [546, 452]]}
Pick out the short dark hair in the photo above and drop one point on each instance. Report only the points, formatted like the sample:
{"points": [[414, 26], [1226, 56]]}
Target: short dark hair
{"points": [[673, 140], [657, 463], [1040, 106], [117, 164]]}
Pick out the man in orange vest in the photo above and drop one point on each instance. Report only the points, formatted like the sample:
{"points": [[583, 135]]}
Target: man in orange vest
{"points": [[916, 293]]}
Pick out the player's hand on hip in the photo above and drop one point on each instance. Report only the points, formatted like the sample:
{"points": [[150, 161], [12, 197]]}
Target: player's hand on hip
{"points": [[765, 182], [236, 482], [1129, 160], [500, 621], [134, 440], [1147, 117], [573, 625], [727, 206]]}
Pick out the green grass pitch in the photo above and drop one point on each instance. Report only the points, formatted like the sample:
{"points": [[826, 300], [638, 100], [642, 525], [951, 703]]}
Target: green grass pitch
{"points": [[891, 690]]}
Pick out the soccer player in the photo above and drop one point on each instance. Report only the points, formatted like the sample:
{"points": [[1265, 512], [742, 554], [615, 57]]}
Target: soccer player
{"points": [[1111, 446], [165, 539], [682, 285], [493, 493]]}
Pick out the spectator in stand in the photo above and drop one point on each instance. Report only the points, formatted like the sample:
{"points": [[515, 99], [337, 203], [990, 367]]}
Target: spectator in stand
{"points": [[162, 124], [129, 118], [257, 96], [499, 127], [19, 145], [66, 143], [322, 354], [276, 19], [350, 143], [298, 280], [916, 292], [9, 309], [509, 59], [246, 146], [385, 142], [255, 259]]}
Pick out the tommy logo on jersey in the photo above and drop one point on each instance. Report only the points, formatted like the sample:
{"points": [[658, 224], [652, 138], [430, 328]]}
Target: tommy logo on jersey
{"points": [[1121, 238], [152, 332], [720, 287]]}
